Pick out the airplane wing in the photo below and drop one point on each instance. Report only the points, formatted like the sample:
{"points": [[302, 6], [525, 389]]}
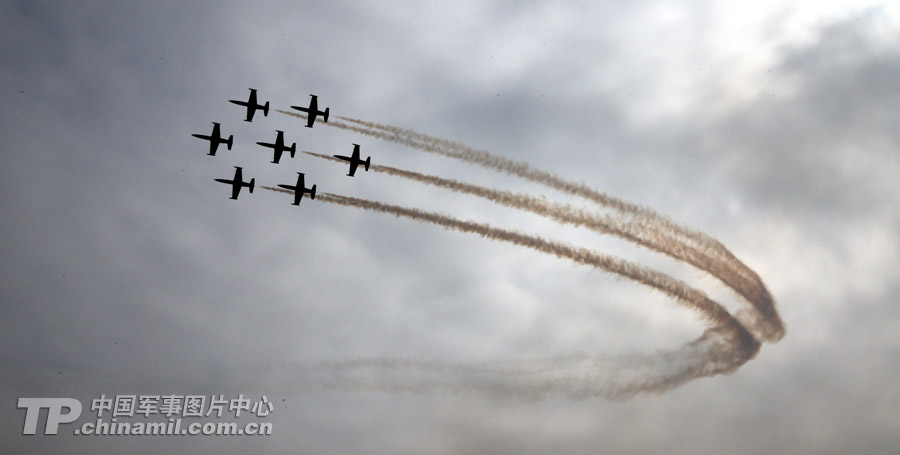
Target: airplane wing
{"points": [[353, 165], [310, 119], [250, 108], [237, 182]]}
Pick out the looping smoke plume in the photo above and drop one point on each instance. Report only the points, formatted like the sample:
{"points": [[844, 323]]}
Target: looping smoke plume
{"points": [[728, 342]]}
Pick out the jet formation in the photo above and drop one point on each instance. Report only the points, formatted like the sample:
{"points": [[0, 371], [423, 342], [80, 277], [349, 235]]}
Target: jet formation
{"points": [[278, 147]]}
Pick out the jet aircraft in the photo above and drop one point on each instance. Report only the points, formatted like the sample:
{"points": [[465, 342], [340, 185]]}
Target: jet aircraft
{"points": [[252, 106], [300, 189], [279, 147], [215, 139], [238, 182], [312, 111], [354, 160]]}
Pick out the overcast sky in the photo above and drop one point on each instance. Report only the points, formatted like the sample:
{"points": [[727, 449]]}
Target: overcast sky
{"points": [[124, 268]]}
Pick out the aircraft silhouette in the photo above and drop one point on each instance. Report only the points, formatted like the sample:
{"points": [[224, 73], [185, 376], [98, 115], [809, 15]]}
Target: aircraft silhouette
{"points": [[215, 139], [279, 147], [354, 160], [312, 111], [252, 106], [300, 189], [238, 182]]}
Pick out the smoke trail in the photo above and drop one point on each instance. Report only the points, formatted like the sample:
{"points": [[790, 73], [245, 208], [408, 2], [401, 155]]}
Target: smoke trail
{"points": [[709, 310], [746, 282], [723, 348], [711, 256], [727, 343], [565, 213]]}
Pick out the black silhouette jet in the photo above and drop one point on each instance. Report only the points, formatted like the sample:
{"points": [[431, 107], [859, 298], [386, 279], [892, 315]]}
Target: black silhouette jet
{"points": [[300, 189], [215, 139], [312, 111], [354, 160], [238, 182], [279, 147], [252, 106]]}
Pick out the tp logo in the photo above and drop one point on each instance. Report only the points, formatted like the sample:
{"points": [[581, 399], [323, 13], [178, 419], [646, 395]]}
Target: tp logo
{"points": [[55, 415]]}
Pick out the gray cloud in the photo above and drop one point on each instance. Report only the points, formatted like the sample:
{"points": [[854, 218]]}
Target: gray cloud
{"points": [[126, 269]]}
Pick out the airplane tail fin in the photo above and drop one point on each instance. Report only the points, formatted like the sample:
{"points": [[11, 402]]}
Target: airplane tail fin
{"points": [[266, 109], [230, 141], [368, 161], [325, 116], [312, 193], [293, 149], [252, 183]]}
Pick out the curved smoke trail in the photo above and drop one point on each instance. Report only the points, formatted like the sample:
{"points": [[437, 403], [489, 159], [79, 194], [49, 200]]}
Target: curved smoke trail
{"points": [[628, 230], [728, 343], [711, 256], [725, 346]]}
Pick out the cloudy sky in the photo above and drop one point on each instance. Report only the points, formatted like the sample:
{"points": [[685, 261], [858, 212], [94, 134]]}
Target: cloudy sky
{"points": [[125, 269]]}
